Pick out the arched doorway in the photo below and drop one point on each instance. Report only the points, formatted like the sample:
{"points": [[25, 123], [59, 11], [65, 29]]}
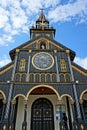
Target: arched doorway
{"points": [[42, 115]]}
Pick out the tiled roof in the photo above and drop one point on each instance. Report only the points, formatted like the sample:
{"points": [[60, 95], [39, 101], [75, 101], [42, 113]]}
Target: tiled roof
{"points": [[42, 18]]}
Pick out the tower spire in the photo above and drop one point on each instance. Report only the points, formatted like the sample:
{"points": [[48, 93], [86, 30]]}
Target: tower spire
{"points": [[42, 17], [42, 25], [42, 21]]}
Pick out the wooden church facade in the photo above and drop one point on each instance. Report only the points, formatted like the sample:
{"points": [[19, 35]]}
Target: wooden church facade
{"points": [[42, 88]]}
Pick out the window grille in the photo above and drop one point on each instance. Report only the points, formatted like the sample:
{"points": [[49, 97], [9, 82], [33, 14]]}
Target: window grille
{"points": [[22, 65], [63, 65]]}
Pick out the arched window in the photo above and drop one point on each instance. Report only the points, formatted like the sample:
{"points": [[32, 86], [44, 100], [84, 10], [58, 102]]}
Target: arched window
{"points": [[42, 78], [62, 78], [67, 77], [37, 77], [22, 65], [31, 77], [48, 78], [54, 78], [17, 77], [23, 78], [42, 45]]}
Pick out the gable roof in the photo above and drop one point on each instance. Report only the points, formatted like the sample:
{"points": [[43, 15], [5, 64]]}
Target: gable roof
{"points": [[7, 67], [52, 41]]}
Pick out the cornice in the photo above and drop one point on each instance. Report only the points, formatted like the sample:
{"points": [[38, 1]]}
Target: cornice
{"points": [[39, 30], [79, 70], [6, 69], [58, 83]]}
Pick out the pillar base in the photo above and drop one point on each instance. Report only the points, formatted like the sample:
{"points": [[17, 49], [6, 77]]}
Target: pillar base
{"points": [[63, 126], [4, 125], [79, 125], [85, 124], [11, 126]]}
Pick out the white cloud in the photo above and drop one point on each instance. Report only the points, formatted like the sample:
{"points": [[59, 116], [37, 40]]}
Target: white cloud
{"points": [[52, 3], [16, 15], [3, 17], [13, 21], [5, 39], [68, 11], [81, 61], [4, 61]]}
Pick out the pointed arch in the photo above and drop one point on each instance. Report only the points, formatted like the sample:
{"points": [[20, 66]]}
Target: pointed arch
{"points": [[47, 86], [81, 95], [4, 96]]}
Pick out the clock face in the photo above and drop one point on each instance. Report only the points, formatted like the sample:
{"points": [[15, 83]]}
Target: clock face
{"points": [[43, 61]]}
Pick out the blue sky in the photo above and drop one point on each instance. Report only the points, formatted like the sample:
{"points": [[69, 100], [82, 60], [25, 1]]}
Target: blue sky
{"points": [[69, 18]]}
